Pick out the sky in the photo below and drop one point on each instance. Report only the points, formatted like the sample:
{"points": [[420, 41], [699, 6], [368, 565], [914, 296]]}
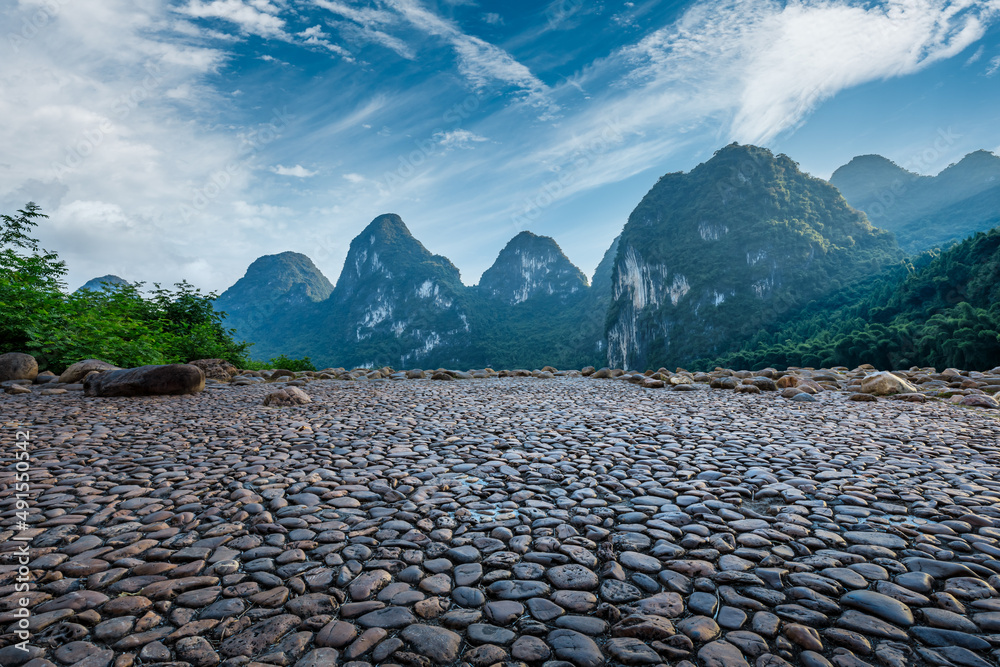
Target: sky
{"points": [[182, 140]]}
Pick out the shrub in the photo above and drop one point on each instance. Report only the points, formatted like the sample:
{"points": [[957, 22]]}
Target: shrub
{"points": [[118, 323], [303, 364]]}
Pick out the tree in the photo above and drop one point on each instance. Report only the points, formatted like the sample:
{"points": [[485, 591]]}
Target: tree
{"points": [[30, 278], [118, 324]]}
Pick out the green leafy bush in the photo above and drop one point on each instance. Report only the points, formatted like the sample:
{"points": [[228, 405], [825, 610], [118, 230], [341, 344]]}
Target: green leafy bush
{"points": [[303, 364], [935, 310], [118, 323]]}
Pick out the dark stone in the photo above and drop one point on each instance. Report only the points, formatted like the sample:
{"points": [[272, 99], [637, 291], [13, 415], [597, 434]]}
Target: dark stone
{"points": [[941, 637], [438, 644], [880, 605], [146, 381], [577, 648]]}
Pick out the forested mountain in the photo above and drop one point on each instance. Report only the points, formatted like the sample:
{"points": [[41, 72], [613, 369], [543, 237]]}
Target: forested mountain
{"points": [[744, 260], [102, 283], [925, 212], [710, 256], [395, 302], [265, 303], [531, 265], [941, 310]]}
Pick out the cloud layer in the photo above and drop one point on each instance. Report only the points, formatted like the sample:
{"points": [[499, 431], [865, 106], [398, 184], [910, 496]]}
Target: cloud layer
{"points": [[172, 140]]}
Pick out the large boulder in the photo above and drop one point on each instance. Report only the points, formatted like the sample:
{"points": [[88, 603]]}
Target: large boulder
{"points": [[977, 400], [287, 396], [216, 369], [886, 384], [17, 366], [146, 381], [79, 370]]}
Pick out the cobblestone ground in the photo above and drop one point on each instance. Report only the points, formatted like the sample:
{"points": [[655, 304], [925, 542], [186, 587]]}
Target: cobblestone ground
{"points": [[559, 521]]}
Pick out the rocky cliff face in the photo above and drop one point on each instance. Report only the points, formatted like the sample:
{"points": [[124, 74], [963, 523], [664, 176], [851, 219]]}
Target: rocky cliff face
{"points": [[709, 257], [924, 211], [531, 265], [396, 302]]}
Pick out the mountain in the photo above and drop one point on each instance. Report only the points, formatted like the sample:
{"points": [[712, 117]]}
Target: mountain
{"points": [[530, 265], [102, 283], [265, 303], [533, 308], [743, 255], [711, 256], [941, 310], [396, 303], [924, 212]]}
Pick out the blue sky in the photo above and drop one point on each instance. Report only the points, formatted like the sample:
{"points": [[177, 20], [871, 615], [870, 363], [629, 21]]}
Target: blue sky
{"points": [[184, 139]]}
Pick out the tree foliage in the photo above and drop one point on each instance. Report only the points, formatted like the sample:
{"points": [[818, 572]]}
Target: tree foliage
{"points": [[118, 323], [938, 310]]}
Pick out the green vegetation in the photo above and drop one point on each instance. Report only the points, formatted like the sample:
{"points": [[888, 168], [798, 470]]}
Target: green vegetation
{"points": [[940, 310], [118, 323], [712, 256], [303, 364]]}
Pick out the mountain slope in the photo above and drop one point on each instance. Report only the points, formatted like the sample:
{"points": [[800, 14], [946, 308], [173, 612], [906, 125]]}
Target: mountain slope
{"points": [[925, 211], [395, 303], [533, 308], [941, 311], [530, 265], [265, 303], [102, 283], [710, 256]]}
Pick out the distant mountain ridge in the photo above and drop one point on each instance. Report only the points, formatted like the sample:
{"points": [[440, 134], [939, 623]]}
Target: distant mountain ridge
{"points": [[924, 212], [708, 260], [102, 283], [264, 304], [397, 303], [397, 300]]}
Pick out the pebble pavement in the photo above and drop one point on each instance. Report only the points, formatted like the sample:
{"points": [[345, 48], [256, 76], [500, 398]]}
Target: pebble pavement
{"points": [[565, 522]]}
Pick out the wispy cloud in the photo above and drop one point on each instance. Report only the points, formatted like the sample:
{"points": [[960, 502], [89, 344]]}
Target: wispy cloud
{"points": [[368, 25], [298, 171], [458, 139], [314, 36], [770, 64], [483, 64], [993, 67], [258, 17]]}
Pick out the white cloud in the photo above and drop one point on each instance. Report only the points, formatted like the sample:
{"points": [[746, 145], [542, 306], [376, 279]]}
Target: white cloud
{"points": [[315, 36], [974, 58], [480, 62], [493, 18], [993, 67], [458, 139], [770, 64], [356, 179], [297, 171], [254, 18], [100, 112], [366, 24]]}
